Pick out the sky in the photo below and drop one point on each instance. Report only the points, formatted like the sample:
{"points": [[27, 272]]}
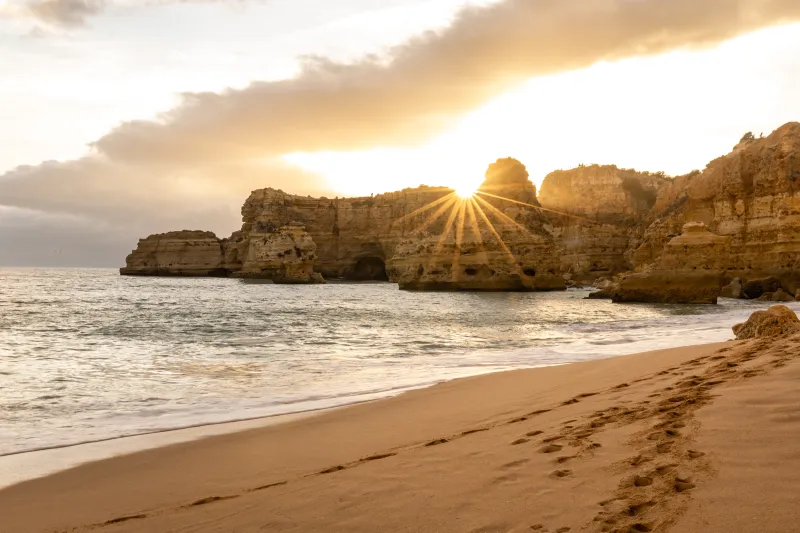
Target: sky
{"points": [[122, 118]]}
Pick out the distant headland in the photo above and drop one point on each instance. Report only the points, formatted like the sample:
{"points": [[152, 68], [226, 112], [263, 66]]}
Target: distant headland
{"points": [[732, 229]]}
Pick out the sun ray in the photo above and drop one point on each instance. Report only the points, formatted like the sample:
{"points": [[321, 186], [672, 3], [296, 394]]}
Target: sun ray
{"points": [[483, 256], [510, 255], [503, 216], [540, 208], [456, 269], [448, 227], [434, 217], [425, 208]]}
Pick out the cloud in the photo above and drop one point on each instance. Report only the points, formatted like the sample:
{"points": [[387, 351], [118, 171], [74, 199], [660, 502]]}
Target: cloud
{"points": [[68, 13], [423, 86], [75, 13], [193, 167], [100, 208]]}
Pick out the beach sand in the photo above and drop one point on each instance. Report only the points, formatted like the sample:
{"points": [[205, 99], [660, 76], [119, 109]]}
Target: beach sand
{"points": [[704, 439]]}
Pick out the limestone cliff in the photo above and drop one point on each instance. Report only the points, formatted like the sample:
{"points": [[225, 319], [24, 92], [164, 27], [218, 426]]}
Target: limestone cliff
{"points": [[689, 270], [597, 214], [752, 197], [738, 218], [493, 241], [177, 253]]}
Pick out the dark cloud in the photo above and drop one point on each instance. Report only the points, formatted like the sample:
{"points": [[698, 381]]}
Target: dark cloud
{"points": [[431, 80]]}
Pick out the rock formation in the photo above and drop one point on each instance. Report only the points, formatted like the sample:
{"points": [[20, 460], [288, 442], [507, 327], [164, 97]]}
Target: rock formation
{"points": [[177, 253], [777, 320], [678, 240], [732, 289], [752, 196], [689, 270], [597, 214], [495, 241]]}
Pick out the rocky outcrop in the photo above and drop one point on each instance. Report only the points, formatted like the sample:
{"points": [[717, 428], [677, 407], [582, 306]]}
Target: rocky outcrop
{"points": [[781, 296], [494, 241], [681, 239], [756, 288], [597, 214], [752, 196], [776, 321], [283, 255], [177, 253], [732, 289], [689, 270]]}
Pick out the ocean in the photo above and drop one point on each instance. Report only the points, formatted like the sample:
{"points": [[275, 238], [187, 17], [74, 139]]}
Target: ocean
{"points": [[87, 355]]}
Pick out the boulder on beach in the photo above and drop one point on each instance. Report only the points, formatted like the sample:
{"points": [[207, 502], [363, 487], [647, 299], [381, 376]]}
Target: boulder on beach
{"points": [[776, 321]]}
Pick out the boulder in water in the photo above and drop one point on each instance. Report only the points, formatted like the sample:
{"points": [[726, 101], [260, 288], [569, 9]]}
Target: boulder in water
{"points": [[781, 296], [756, 288], [732, 290], [776, 321]]}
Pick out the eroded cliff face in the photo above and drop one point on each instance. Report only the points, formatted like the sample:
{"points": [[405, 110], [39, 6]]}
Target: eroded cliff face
{"points": [[597, 215], [177, 253], [752, 197], [689, 270], [494, 241], [738, 218]]}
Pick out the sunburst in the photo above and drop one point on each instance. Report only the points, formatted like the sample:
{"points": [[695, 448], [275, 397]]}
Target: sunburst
{"points": [[465, 210]]}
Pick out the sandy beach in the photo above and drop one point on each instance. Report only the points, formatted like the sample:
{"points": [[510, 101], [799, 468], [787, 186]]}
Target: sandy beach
{"points": [[703, 438]]}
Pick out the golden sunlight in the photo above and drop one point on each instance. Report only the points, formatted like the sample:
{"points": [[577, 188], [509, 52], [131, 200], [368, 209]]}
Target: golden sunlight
{"points": [[465, 191]]}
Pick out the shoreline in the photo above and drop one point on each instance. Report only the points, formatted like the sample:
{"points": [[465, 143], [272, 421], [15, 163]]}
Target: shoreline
{"points": [[64, 457], [658, 432]]}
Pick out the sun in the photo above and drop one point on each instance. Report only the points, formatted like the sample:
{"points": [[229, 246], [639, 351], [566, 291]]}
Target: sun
{"points": [[466, 191]]}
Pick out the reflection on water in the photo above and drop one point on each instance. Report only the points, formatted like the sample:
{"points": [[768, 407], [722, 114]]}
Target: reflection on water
{"points": [[86, 354]]}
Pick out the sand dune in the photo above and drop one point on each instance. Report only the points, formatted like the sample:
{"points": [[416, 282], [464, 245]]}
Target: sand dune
{"points": [[691, 439]]}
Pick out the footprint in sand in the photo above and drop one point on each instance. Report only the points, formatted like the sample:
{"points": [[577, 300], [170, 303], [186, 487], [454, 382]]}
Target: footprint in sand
{"points": [[562, 473], [552, 448], [378, 457], [533, 433], [269, 486], [211, 499], [694, 454], [520, 441], [124, 519], [642, 481], [332, 469]]}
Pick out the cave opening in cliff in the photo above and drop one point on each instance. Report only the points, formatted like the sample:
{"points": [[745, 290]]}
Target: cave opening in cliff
{"points": [[369, 269]]}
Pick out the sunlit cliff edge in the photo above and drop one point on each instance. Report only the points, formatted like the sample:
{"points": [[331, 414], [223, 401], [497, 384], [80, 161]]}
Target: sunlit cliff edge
{"points": [[654, 238]]}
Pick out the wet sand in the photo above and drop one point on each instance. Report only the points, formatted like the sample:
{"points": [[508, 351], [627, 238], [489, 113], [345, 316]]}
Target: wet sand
{"points": [[704, 438]]}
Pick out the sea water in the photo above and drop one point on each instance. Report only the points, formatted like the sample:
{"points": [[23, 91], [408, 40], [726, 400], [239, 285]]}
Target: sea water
{"points": [[87, 355]]}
